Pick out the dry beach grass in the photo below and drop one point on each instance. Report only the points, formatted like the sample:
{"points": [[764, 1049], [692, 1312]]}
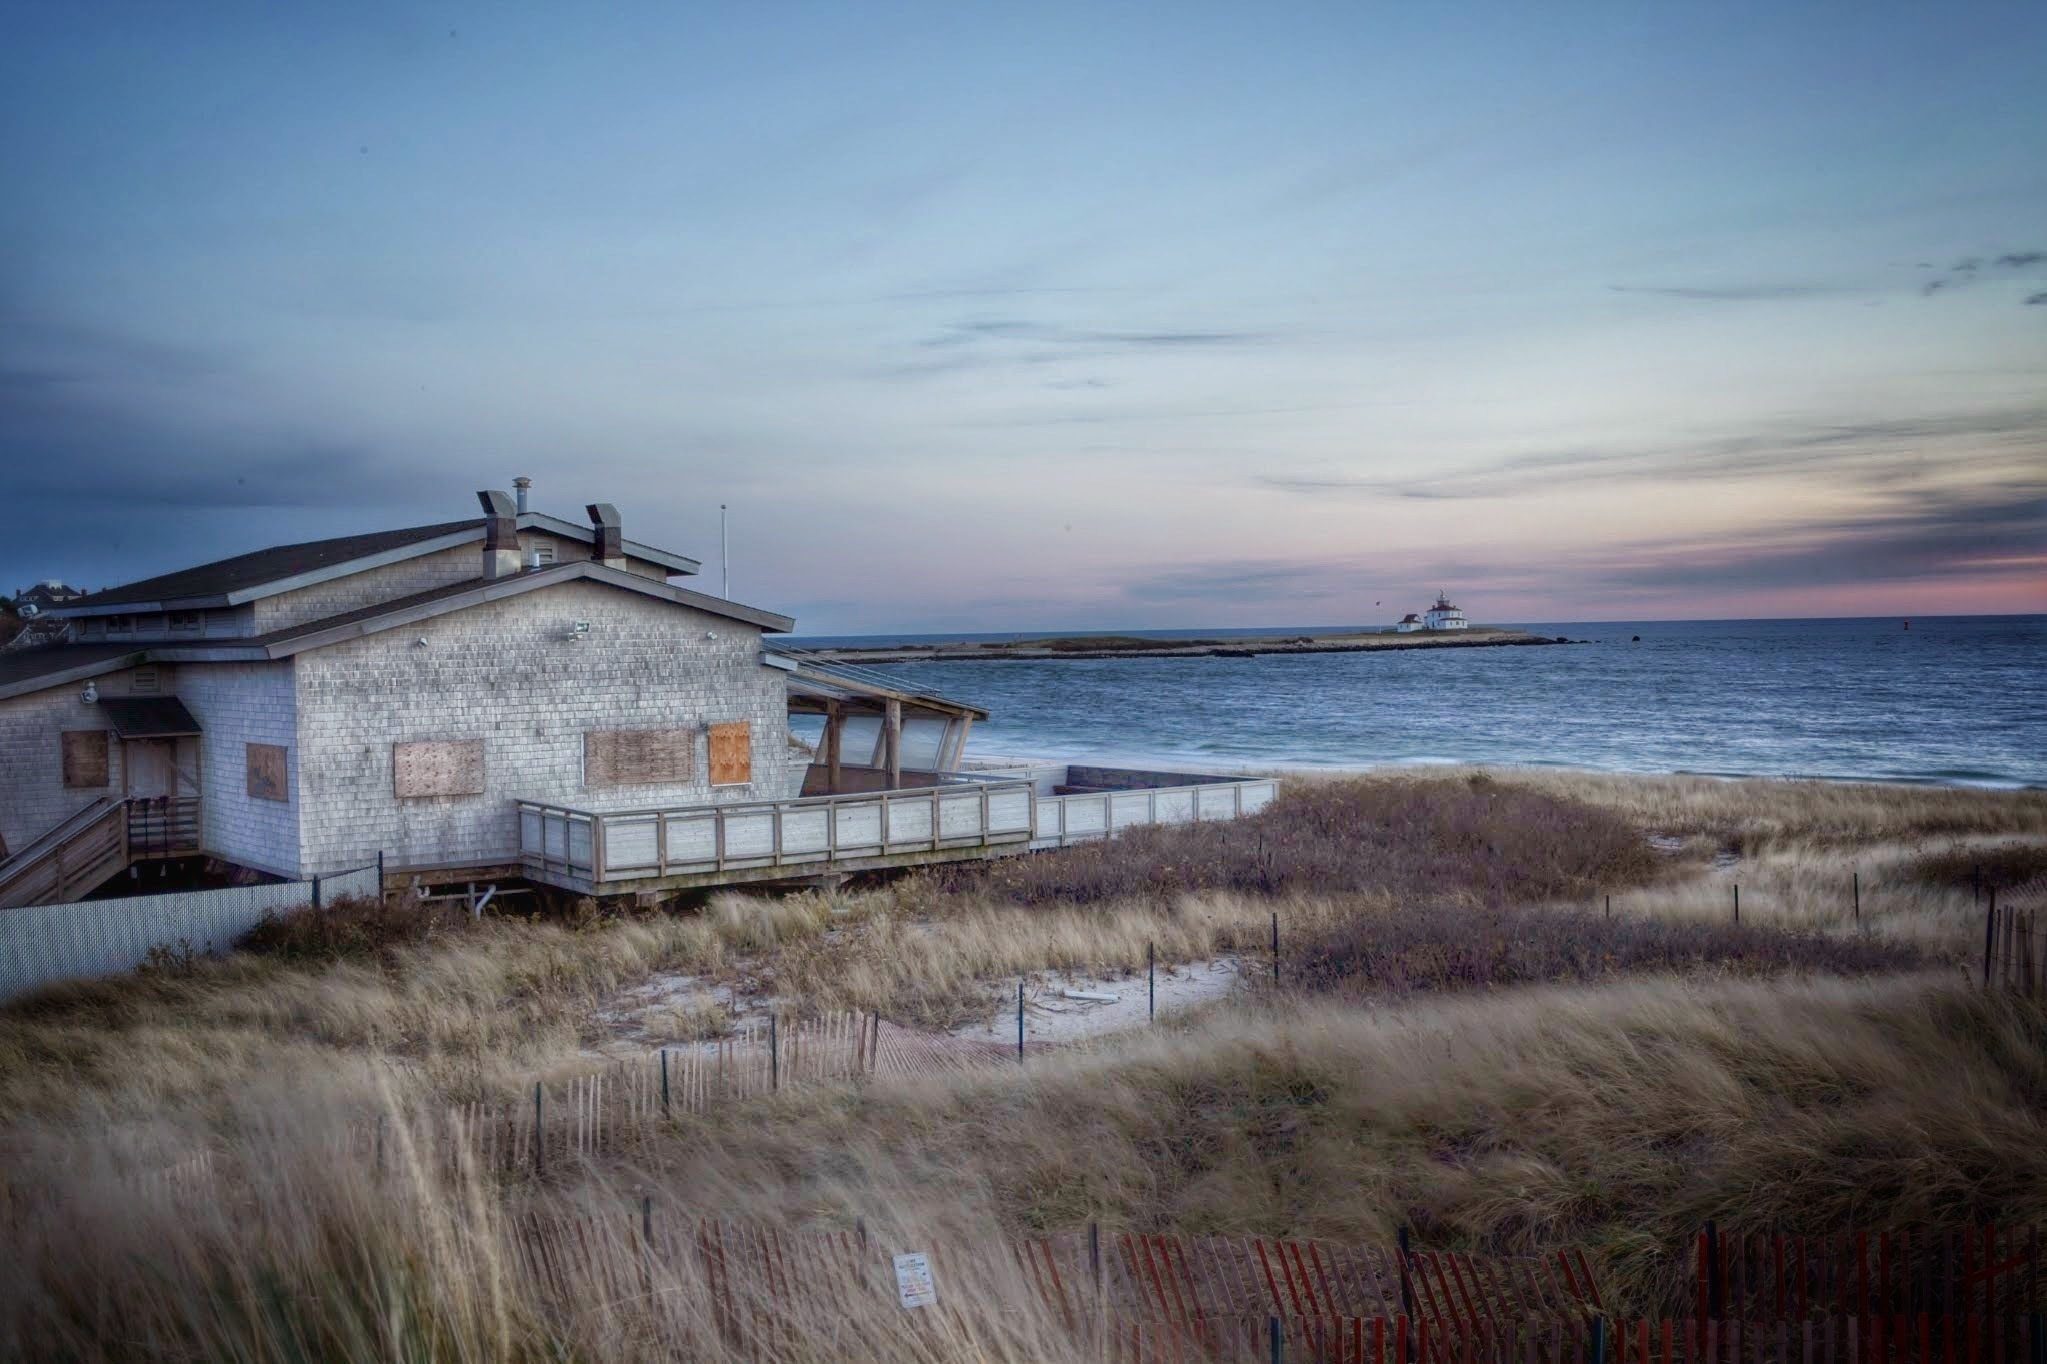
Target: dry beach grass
{"points": [[1466, 1045]]}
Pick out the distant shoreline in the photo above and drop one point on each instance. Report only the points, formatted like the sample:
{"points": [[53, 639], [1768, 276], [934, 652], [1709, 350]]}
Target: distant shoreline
{"points": [[1068, 647]]}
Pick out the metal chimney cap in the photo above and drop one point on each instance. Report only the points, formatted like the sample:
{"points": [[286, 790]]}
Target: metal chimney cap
{"points": [[602, 514], [495, 504]]}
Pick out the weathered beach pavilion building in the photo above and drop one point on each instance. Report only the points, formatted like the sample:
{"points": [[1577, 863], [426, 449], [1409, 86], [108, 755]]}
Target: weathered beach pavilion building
{"points": [[508, 697]]}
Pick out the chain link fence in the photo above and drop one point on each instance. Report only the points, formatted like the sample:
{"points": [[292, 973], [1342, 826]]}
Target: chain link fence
{"points": [[44, 943]]}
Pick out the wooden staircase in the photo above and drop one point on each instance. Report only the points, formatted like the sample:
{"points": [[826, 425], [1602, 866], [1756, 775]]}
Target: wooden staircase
{"points": [[74, 858]]}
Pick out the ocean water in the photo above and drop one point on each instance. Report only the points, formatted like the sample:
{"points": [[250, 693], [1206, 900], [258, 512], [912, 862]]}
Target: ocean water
{"points": [[1952, 700]]}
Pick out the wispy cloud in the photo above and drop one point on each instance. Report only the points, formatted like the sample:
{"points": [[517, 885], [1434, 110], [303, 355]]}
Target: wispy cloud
{"points": [[1243, 579], [1987, 531], [1875, 453], [1974, 269], [1737, 293], [1001, 329]]}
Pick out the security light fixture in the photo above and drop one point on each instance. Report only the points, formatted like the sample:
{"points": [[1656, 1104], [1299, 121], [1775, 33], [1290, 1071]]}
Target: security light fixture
{"points": [[578, 631], [91, 693]]}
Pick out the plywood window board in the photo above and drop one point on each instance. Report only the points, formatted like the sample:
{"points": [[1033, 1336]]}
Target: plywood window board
{"points": [[269, 768], [85, 758], [437, 767], [637, 757], [731, 754]]}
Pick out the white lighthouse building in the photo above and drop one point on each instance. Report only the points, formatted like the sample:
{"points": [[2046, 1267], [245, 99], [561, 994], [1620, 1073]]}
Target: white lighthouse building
{"points": [[1444, 616]]}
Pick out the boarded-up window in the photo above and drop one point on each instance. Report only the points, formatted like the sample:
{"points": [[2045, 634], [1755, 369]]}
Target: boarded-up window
{"points": [[267, 769], [451, 767], [85, 758], [636, 757], [731, 754]]}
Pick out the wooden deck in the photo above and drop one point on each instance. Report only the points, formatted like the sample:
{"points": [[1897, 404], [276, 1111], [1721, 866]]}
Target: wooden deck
{"points": [[621, 851], [617, 852], [1083, 816]]}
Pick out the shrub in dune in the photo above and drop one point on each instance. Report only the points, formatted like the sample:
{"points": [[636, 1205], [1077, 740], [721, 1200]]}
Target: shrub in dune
{"points": [[1476, 838], [1478, 947]]}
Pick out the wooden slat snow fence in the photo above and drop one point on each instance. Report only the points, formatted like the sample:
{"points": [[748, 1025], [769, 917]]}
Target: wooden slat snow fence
{"points": [[1953, 1273], [1377, 1340], [2015, 950], [1184, 1299], [610, 1109]]}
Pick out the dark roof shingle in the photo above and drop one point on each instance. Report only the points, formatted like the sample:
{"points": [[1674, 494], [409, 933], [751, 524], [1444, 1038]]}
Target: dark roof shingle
{"points": [[224, 576]]}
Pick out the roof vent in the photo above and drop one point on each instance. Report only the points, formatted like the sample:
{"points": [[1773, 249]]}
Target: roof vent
{"points": [[500, 535], [520, 488], [609, 545]]}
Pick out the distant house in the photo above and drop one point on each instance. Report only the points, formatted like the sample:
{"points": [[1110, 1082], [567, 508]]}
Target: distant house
{"points": [[1444, 616], [1409, 623], [25, 621]]}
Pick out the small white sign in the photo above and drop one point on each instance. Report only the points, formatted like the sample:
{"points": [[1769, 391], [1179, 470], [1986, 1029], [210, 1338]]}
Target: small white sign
{"points": [[913, 1280]]}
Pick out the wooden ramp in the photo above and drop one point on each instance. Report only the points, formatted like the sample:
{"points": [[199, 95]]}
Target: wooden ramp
{"points": [[70, 860]]}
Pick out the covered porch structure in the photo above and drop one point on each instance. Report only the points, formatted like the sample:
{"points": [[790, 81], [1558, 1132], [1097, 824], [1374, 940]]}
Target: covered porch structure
{"points": [[873, 733]]}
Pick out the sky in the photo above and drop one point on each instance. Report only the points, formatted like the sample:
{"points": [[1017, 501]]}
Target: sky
{"points": [[1050, 317]]}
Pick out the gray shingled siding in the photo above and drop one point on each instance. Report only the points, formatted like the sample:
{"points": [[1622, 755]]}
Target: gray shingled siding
{"points": [[31, 759], [505, 673], [369, 587], [237, 704]]}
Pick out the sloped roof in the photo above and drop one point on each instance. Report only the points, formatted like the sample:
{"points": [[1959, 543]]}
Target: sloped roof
{"points": [[228, 582], [148, 717], [816, 682], [35, 669], [224, 577], [53, 663]]}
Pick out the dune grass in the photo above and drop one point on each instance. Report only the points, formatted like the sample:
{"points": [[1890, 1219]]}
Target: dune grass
{"points": [[1477, 1053], [1476, 840], [474, 1008], [1616, 1118], [1753, 814]]}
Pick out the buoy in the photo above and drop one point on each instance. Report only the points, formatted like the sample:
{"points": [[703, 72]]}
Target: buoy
{"points": [[1908, 625]]}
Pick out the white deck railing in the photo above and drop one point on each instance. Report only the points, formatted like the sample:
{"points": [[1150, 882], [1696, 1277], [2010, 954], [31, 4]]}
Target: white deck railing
{"points": [[1083, 816], [808, 832]]}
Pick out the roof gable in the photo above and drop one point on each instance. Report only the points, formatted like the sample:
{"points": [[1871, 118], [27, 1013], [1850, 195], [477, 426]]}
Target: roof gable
{"points": [[443, 601], [36, 669]]}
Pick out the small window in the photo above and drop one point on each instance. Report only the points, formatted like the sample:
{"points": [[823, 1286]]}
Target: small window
{"points": [[142, 682], [187, 622], [120, 625], [85, 759], [731, 754]]}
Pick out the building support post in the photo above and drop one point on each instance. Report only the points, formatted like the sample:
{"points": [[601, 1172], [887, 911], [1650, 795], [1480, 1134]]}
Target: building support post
{"points": [[893, 741], [834, 722]]}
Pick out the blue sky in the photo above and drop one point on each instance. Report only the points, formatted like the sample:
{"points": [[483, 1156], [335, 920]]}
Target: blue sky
{"points": [[1042, 317]]}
